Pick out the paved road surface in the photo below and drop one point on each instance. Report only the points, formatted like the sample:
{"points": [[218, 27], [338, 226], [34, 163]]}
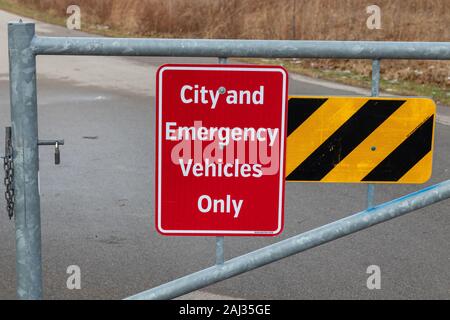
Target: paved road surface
{"points": [[97, 206]]}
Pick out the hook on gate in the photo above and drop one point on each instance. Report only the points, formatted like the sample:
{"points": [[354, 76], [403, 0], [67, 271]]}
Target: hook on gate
{"points": [[55, 143]]}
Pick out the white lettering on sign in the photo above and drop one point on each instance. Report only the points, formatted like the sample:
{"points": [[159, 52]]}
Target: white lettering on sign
{"points": [[224, 134], [206, 204], [201, 95], [212, 169]]}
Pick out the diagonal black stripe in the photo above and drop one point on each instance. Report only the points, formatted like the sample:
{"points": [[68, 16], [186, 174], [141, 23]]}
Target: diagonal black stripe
{"points": [[405, 156], [373, 113], [299, 109]]}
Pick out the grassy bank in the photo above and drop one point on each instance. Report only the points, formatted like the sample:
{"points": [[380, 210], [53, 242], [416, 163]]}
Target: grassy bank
{"points": [[413, 20]]}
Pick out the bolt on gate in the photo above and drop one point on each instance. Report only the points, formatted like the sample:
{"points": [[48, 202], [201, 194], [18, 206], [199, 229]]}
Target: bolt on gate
{"points": [[24, 46]]}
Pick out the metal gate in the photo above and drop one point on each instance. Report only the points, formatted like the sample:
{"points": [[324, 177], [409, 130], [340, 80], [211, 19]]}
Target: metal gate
{"points": [[24, 46]]}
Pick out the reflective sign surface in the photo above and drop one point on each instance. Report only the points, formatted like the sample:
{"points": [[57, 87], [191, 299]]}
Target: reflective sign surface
{"points": [[360, 139]]}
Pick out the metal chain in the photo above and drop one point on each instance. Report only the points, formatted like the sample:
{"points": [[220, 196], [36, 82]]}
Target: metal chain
{"points": [[8, 166]]}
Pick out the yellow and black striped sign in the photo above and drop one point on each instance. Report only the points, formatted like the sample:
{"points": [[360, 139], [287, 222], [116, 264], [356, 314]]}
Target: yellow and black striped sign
{"points": [[359, 139]]}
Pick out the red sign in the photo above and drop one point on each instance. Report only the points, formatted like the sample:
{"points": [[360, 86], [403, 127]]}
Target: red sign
{"points": [[221, 133]]}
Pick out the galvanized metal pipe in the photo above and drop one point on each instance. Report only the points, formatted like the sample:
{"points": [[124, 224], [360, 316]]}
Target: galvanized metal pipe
{"points": [[50, 142], [299, 243], [376, 75], [22, 73], [370, 195], [219, 250], [220, 240], [240, 48]]}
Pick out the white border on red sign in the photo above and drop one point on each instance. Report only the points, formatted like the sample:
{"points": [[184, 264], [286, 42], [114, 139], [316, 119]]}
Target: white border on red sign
{"points": [[281, 185]]}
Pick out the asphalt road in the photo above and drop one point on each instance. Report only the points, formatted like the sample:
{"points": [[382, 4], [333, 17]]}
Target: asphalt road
{"points": [[97, 206]]}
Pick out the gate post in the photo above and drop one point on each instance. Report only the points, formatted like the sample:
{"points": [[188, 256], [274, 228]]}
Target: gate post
{"points": [[22, 72], [375, 92]]}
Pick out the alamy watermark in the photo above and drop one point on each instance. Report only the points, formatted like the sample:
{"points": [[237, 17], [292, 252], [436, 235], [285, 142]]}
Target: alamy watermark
{"points": [[374, 280], [74, 279], [374, 20], [73, 22]]}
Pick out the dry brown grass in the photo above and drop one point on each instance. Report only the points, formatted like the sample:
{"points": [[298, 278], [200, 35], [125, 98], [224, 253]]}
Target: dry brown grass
{"points": [[402, 20], [418, 20]]}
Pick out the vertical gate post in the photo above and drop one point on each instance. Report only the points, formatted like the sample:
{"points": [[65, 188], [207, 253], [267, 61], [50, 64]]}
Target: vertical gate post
{"points": [[220, 240], [375, 91], [22, 71]]}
